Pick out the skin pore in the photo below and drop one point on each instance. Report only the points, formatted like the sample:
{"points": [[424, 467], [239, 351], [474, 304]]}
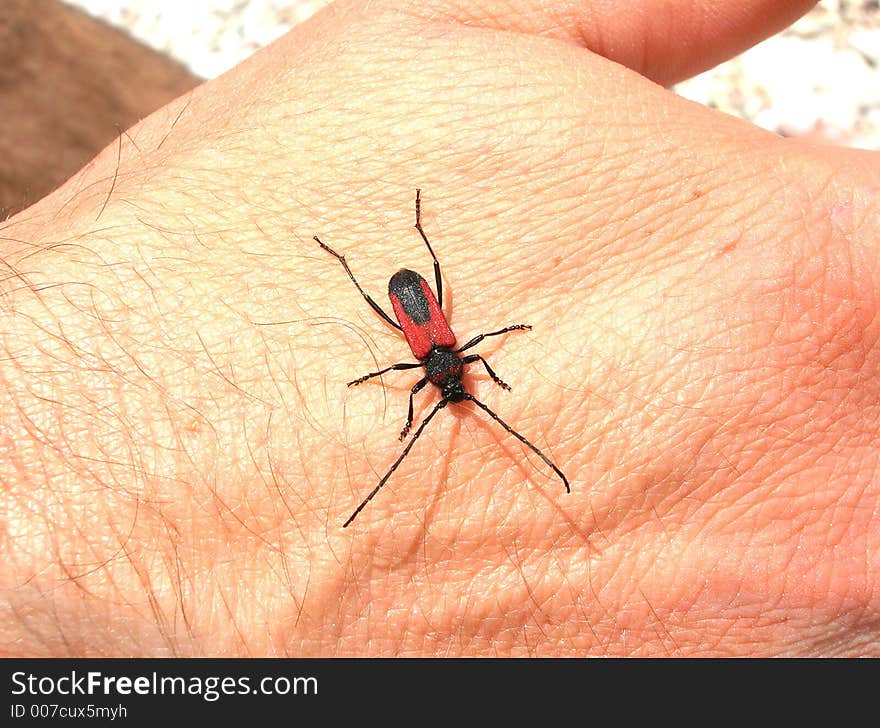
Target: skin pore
{"points": [[178, 448]]}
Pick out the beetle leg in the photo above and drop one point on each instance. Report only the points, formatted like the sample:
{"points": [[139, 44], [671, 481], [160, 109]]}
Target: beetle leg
{"points": [[477, 339], [392, 368], [437, 278], [409, 417], [495, 378], [375, 306]]}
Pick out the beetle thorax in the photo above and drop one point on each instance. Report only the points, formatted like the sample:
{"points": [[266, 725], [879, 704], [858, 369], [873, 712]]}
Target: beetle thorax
{"points": [[443, 368]]}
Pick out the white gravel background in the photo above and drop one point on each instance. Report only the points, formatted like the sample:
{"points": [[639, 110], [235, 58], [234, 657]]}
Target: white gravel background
{"points": [[818, 79]]}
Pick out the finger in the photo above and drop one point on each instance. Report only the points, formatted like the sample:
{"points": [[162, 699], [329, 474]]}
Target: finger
{"points": [[665, 40]]}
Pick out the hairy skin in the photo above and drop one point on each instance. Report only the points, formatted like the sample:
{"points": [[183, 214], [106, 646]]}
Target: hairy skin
{"points": [[179, 448]]}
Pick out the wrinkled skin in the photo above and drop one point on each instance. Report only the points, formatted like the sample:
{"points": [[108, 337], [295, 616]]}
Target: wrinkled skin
{"points": [[179, 448]]}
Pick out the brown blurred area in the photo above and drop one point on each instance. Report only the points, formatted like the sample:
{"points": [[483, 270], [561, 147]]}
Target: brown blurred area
{"points": [[69, 85]]}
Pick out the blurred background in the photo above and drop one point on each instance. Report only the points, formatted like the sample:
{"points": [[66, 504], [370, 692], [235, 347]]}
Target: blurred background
{"points": [[75, 73]]}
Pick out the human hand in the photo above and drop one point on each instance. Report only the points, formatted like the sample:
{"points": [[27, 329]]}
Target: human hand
{"points": [[181, 448]]}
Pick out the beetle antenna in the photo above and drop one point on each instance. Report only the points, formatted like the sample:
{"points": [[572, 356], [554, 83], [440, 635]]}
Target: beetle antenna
{"points": [[520, 438], [439, 406]]}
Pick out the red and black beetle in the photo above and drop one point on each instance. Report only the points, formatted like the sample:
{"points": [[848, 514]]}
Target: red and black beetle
{"points": [[420, 317]]}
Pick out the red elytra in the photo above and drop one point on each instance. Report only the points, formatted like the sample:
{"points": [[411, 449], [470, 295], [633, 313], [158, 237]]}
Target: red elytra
{"points": [[419, 314]]}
